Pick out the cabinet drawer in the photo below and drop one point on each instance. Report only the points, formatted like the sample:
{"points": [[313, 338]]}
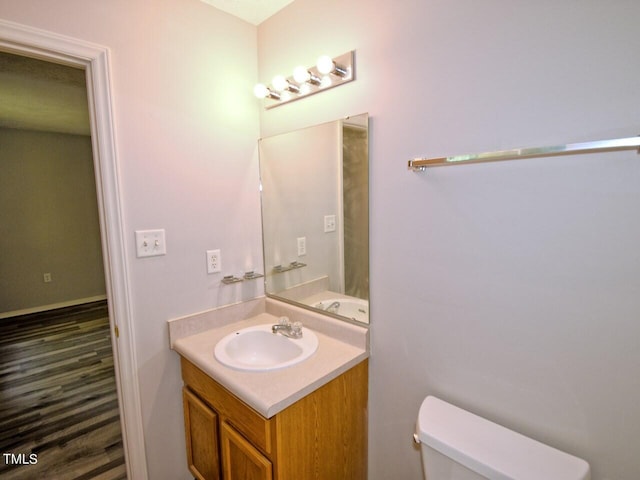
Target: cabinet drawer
{"points": [[257, 429]]}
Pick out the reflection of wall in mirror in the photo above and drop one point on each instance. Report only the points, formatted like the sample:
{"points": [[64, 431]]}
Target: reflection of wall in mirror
{"points": [[300, 183]]}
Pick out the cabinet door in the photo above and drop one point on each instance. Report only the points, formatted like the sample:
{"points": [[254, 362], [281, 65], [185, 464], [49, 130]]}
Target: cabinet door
{"points": [[201, 429], [240, 459]]}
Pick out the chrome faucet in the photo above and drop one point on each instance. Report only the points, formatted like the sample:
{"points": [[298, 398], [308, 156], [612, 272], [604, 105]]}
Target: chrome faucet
{"points": [[288, 329], [333, 308]]}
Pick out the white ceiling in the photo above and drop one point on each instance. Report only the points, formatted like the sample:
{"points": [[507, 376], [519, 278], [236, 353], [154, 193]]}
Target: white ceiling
{"points": [[252, 11]]}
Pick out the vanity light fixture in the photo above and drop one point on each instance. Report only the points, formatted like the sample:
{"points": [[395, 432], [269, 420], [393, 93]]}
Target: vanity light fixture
{"points": [[262, 91], [281, 84], [327, 73]]}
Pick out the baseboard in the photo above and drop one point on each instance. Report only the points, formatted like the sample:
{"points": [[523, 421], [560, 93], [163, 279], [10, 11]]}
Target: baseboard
{"points": [[53, 306]]}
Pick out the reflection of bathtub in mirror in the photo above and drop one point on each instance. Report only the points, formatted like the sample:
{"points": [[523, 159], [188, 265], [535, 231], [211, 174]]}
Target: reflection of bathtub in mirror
{"points": [[316, 294], [353, 308]]}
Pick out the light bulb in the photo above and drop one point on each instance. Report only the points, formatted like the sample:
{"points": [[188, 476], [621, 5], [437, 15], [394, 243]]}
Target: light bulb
{"points": [[325, 65], [303, 77], [301, 74], [326, 81], [260, 90], [305, 89], [279, 83]]}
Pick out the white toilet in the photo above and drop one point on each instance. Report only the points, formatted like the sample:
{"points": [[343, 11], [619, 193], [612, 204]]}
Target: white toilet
{"points": [[458, 445]]}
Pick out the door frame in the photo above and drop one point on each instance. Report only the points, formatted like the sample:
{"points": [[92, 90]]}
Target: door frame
{"points": [[95, 60]]}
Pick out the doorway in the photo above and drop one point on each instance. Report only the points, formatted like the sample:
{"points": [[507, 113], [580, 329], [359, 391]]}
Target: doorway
{"points": [[50, 223], [57, 383], [94, 59]]}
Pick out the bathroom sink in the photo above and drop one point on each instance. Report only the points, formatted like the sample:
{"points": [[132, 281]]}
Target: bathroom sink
{"points": [[258, 349]]}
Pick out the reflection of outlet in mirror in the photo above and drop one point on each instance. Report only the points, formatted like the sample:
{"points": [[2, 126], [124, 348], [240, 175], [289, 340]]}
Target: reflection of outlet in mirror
{"points": [[329, 223], [302, 246], [46, 277], [150, 243]]}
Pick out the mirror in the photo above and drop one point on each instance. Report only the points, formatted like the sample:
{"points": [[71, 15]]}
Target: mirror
{"points": [[315, 217]]}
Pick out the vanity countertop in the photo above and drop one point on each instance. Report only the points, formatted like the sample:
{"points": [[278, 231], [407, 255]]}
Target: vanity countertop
{"points": [[269, 392]]}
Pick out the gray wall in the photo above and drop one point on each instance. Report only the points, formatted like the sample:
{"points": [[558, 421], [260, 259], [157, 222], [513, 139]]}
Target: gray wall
{"points": [[48, 220], [510, 289]]}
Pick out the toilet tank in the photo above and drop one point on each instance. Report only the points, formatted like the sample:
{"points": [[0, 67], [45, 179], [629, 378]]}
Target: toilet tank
{"points": [[458, 445]]}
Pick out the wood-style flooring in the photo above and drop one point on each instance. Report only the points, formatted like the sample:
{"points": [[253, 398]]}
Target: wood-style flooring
{"points": [[58, 397]]}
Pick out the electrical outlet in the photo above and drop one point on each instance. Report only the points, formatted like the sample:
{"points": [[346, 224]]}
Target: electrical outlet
{"points": [[329, 223], [302, 246], [214, 261], [46, 277], [150, 243]]}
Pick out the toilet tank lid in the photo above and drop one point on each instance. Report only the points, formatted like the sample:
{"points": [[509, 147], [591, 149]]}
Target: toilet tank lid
{"points": [[491, 449]]}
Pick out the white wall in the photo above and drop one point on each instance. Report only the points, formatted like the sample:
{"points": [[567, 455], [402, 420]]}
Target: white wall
{"points": [[186, 131], [512, 288]]}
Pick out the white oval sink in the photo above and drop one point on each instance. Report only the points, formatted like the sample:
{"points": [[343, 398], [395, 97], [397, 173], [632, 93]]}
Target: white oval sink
{"points": [[258, 349]]}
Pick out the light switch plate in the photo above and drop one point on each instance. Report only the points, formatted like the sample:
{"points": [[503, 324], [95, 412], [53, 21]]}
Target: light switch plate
{"points": [[150, 243]]}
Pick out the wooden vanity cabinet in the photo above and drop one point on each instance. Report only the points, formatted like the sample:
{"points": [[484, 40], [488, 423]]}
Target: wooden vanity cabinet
{"points": [[322, 436]]}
